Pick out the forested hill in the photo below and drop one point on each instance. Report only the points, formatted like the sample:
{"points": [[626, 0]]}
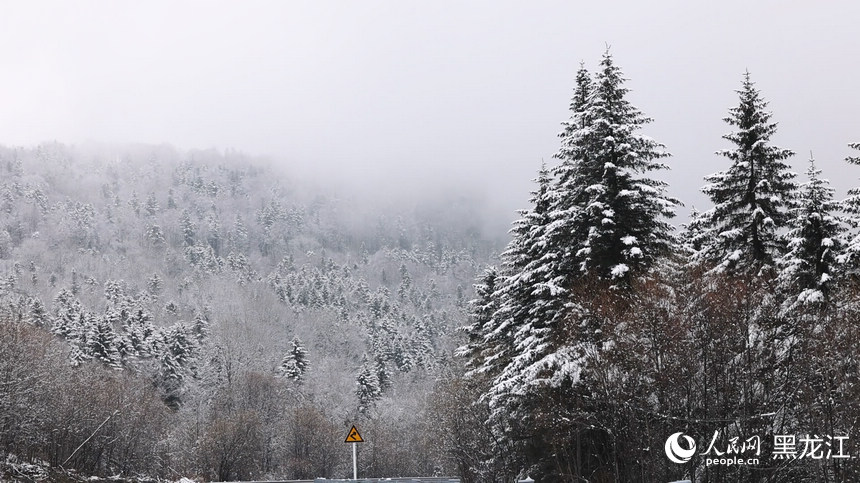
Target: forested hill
{"points": [[256, 315]]}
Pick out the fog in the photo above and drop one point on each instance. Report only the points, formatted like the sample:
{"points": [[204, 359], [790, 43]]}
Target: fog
{"points": [[424, 98]]}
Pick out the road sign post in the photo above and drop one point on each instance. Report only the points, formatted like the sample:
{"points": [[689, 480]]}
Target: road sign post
{"points": [[354, 438]]}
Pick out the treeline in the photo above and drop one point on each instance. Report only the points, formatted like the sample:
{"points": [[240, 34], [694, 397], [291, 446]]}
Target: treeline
{"points": [[603, 332], [201, 314]]}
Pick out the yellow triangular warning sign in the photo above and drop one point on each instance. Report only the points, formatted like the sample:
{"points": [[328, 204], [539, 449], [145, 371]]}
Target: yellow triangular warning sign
{"points": [[353, 436]]}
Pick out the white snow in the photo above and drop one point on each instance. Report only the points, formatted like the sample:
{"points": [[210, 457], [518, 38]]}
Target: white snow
{"points": [[619, 270], [733, 233], [628, 240]]}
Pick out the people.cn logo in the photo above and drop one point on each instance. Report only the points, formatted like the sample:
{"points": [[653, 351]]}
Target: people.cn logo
{"points": [[678, 454]]}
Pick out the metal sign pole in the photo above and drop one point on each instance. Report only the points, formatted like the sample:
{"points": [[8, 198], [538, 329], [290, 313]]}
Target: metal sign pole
{"points": [[353, 437]]}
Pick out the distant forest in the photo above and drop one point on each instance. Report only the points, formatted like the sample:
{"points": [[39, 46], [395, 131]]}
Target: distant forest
{"points": [[222, 319], [200, 314]]}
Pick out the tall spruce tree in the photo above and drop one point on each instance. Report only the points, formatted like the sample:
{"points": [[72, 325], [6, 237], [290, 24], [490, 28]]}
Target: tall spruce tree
{"points": [[752, 198], [530, 299], [815, 243], [615, 214], [570, 195], [851, 206], [515, 335], [601, 216]]}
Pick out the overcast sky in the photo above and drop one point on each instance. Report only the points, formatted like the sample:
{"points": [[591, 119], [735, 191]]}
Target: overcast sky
{"points": [[425, 94]]}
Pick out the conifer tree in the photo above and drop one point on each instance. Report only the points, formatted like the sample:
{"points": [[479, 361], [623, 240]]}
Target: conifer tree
{"points": [[815, 243], [383, 372], [38, 315], [602, 216], [529, 299], [102, 342], [240, 235], [612, 212], [200, 327], [66, 312], [571, 194], [295, 363], [151, 206], [140, 333], [155, 236], [155, 285], [851, 206], [368, 390], [752, 197], [421, 347], [171, 202], [188, 228], [482, 310], [625, 210]]}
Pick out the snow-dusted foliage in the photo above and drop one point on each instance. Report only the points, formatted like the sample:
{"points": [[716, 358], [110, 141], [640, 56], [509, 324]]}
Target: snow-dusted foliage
{"points": [[158, 311], [815, 243], [752, 198], [599, 334], [295, 363], [596, 217], [851, 206], [482, 312], [187, 276], [368, 386], [530, 300], [607, 210]]}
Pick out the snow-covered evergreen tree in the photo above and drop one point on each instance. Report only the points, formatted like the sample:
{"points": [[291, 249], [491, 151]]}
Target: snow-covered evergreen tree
{"points": [[752, 197], [421, 348], [101, 342], [38, 315], [573, 176], [155, 236], [529, 298], [851, 206], [200, 327], [295, 363], [602, 216], [188, 228], [612, 212], [66, 312], [140, 333], [383, 371], [482, 310], [171, 202], [114, 291], [155, 285], [815, 243], [368, 390], [239, 235], [151, 207], [689, 239]]}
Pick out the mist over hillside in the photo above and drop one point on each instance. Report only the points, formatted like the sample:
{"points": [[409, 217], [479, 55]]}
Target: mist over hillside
{"points": [[248, 301]]}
